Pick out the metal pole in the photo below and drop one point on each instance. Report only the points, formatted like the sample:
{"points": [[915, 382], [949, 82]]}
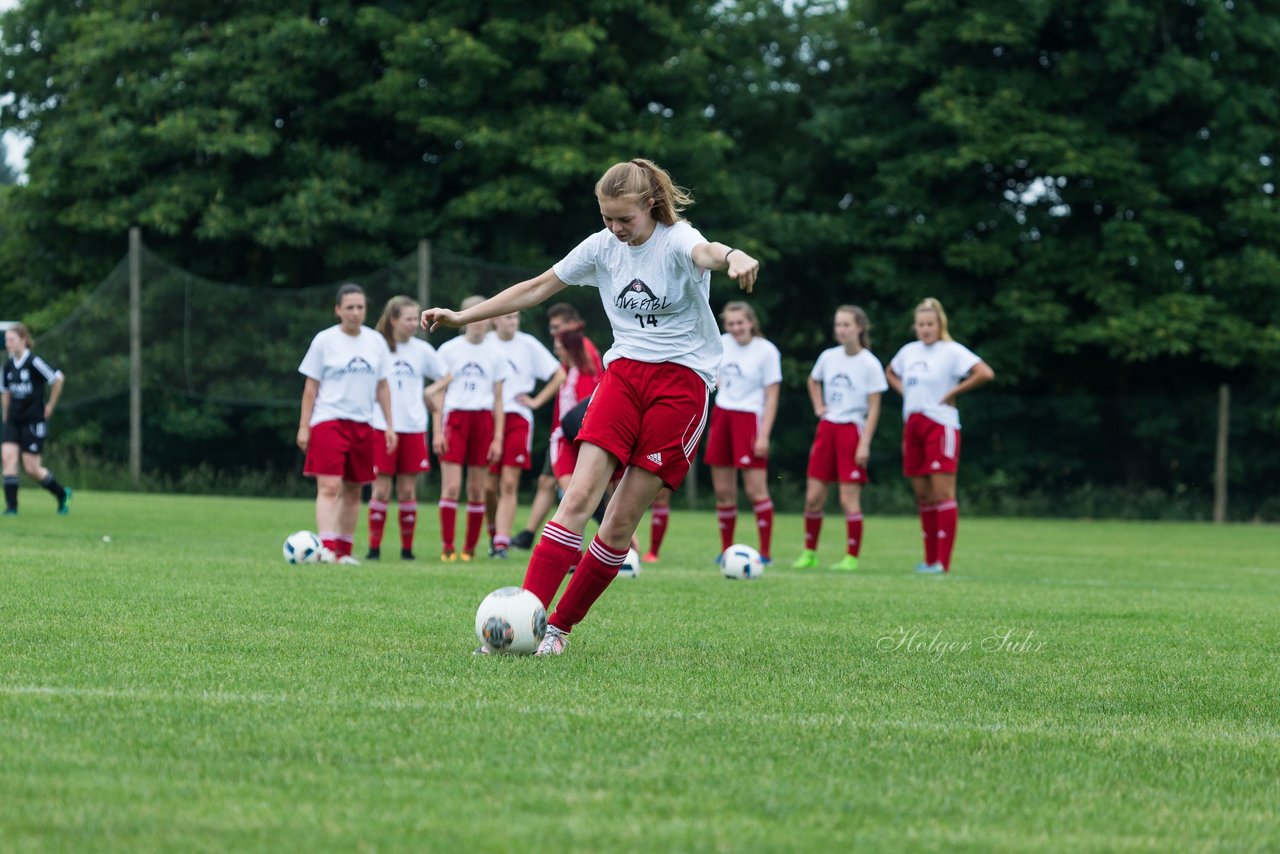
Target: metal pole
{"points": [[135, 354], [424, 273], [1220, 458]]}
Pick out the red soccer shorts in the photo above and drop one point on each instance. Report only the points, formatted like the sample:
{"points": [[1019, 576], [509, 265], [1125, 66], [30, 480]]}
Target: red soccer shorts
{"points": [[564, 455], [410, 456], [832, 457], [928, 447], [517, 444], [468, 433], [732, 438], [342, 449], [648, 415]]}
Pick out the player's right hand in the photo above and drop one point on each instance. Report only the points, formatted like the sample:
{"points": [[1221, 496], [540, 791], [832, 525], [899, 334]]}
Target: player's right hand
{"points": [[304, 438], [434, 317]]}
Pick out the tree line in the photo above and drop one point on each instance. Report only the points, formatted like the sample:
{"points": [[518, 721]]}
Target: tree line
{"points": [[1089, 187]]}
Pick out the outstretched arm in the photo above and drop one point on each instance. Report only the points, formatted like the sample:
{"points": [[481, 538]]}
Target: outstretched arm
{"points": [[716, 256], [518, 297]]}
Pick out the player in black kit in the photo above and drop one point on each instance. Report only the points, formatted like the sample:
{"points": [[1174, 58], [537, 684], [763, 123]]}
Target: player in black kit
{"points": [[26, 415]]}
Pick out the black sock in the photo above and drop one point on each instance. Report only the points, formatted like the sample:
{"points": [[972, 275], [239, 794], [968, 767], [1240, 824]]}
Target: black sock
{"points": [[11, 492], [51, 483]]}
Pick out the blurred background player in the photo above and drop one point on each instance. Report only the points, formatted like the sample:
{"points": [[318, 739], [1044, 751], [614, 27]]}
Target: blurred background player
{"points": [[845, 386], [471, 434], [346, 367], [742, 421], [653, 273], [930, 373], [528, 362], [413, 361], [583, 366], [26, 417]]}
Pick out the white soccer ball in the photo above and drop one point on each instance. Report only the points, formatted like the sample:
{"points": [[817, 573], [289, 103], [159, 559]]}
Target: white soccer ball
{"points": [[631, 566], [741, 562], [511, 620], [302, 547]]}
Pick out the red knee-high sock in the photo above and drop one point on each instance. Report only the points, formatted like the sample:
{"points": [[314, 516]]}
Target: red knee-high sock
{"points": [[343, 544], [557, 551], [948, 520], [329, 539], [377, 521], [594, 573], [408, 521], [929, 530], [448, 522], [727, 516], [475, 521], [853, 528], [764, 522], [658, 518], [812, 527]]}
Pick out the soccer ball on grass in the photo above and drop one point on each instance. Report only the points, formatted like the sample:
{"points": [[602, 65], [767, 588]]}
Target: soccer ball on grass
{"points": [[741, 562], [631, 566], [302, 547], [511, 620]]}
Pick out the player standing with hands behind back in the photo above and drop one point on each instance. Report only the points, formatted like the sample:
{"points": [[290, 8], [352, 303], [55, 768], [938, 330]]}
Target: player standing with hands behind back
{"points": [[653, 271], [930, 373]]}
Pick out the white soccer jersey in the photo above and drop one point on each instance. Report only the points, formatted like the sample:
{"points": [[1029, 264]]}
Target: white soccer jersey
{"points": [[527, 362], [654, 295], [475, 368], [413, 363], [846, 383], [348, 368], [928, 372], [745, 372]]}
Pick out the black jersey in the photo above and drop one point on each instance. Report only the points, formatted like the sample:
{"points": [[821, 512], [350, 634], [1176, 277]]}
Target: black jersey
{"points": [[25, 382]]}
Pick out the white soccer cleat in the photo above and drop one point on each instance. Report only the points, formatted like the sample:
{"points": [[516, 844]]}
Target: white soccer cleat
{"points": [[553, 642], [326, 555], [348, 560]]}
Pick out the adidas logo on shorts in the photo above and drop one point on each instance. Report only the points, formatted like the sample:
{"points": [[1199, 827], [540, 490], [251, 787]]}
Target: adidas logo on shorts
{"points": [[655, 458], [745, 459]]}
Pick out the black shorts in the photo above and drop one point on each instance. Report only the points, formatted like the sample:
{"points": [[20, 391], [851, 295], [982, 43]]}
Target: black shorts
{"points": [[27, 435]]}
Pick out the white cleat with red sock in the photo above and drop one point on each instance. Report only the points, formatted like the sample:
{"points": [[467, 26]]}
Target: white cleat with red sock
{"points": [[553, 642]]}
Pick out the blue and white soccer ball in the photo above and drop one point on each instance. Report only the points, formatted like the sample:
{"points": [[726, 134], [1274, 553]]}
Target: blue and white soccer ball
{"points": [[302, 547], [631, 566], [741, 562], [511, 620]]}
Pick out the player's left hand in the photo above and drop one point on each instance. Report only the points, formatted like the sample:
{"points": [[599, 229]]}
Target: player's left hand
{"points": [[434, 317], [744, 269], [495, 451], [393, 440], [526, 400], [48, 411], [761, 447], [862, 455]]}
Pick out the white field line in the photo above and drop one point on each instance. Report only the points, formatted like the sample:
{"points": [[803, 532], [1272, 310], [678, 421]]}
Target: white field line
{"points": [[1153, 731]]}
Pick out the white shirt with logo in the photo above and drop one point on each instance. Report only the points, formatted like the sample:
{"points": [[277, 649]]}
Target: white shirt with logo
{"points": [[745, 372], [412, 363], [654, 294], [348, 368], [475, 368], [847, 381], [528, 361], [928, 372]]}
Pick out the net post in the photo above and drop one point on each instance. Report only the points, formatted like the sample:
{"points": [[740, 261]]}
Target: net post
{"points": [[135, 354], [1220, 457], [424, 273]]}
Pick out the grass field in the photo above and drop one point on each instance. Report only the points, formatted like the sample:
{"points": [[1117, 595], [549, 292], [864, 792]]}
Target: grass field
{"points": [[181, 688]]}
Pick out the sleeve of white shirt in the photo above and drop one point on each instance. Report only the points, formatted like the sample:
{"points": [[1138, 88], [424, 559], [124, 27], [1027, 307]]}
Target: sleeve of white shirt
{"points": [[964, 360], [817, 373], [579, 266], [544, 364], [501, 370], [432, 365], [773, 367], [312, 365], [878, 380], [684, 237], [897, 365]]}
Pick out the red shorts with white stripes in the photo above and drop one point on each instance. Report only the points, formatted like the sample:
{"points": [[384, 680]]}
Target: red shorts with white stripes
{"points": [[648, 415], [928, 447], [468, 434], [732, 438], [410, 456], [517, 444], [833, 455]]}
